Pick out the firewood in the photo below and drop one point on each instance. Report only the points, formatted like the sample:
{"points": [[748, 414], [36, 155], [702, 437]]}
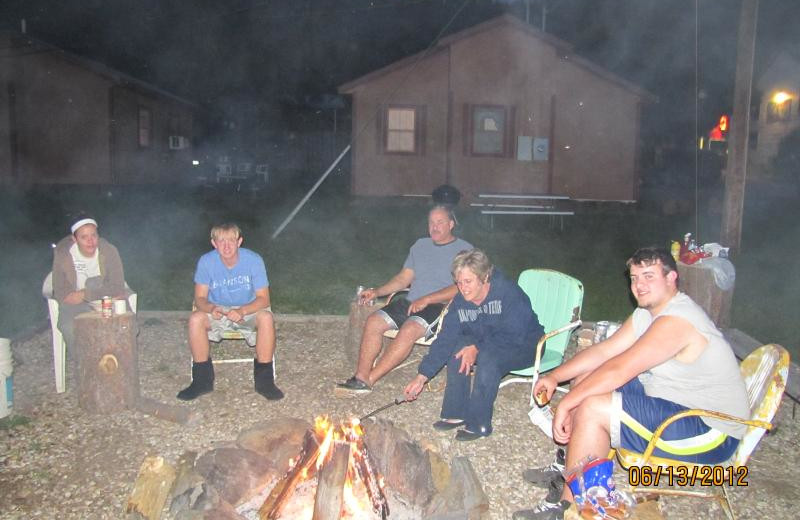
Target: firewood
{"points": [[151, 488], [169, 412], [330, 484], [365, 469], [188, 483], [284, 489]]}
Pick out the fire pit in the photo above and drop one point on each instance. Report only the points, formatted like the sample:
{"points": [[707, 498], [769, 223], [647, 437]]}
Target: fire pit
{"points": [[288, 468]]}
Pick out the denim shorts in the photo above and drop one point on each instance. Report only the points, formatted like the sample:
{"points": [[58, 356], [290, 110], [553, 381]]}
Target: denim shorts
{"points": [[396, 313], [635, 415]]}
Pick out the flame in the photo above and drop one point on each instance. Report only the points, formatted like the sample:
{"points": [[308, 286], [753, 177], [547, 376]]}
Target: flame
{"points": [[356, 502], [325, 448]]}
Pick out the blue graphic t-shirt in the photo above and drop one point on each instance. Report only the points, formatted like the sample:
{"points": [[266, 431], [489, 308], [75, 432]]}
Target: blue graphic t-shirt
{"points": [[232, 287]]}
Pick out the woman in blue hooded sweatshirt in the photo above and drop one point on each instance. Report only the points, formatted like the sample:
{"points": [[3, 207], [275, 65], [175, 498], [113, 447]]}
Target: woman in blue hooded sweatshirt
{"points": [[490, 323]]}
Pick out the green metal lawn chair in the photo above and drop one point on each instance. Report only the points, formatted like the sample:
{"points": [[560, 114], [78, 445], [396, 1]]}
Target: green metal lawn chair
{"points": [[556, 299]]}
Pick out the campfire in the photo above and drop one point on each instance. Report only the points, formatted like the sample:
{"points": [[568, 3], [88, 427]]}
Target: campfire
{"points": [[347, 482], [288, 468]]}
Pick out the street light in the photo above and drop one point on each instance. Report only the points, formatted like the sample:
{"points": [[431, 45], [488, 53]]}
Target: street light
{"points": [[780, 97]]}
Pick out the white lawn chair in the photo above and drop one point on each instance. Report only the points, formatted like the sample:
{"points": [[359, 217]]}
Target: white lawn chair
{"points": [[59, 347]]}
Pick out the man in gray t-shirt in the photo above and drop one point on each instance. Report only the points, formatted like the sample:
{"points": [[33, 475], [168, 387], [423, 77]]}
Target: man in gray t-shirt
{"points": [[426, 275]]}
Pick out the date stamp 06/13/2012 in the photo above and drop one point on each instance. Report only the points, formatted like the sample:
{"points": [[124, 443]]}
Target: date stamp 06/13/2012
{"points": [[706, 476]]}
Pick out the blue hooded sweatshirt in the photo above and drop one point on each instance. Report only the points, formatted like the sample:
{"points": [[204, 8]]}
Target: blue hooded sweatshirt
{"points": [[503, 324]]}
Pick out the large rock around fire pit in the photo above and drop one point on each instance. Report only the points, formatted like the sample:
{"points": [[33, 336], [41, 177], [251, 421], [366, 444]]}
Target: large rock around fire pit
{"points": [[405, 466], [236, 473], [279, 440]]}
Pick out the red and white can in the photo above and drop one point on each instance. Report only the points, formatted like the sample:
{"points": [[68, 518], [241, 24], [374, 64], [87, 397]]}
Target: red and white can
{"points": [[107, 307]]}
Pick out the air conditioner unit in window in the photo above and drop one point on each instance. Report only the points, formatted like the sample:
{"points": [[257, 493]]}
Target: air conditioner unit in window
{"points": [[178, 142]]}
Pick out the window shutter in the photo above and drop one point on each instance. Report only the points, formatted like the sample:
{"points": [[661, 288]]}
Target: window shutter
{"points": [[511, 140], [422, 120], [380, 129], [466, 132]]}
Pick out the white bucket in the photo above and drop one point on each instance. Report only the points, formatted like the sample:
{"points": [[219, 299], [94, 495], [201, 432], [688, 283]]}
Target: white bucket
{"points": [[6, 378]]}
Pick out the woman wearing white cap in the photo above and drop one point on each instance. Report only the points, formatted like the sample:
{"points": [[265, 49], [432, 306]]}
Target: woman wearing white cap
{"points": [[85, 269]]}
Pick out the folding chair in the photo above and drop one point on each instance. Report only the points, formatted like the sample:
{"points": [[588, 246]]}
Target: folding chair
{"points": [[556, 299], [765, 372], [59, 347], [426, 340], [232, 334]]}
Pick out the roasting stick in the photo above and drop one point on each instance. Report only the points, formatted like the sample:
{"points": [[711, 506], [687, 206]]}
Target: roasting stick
{"points": [[397, 401]]}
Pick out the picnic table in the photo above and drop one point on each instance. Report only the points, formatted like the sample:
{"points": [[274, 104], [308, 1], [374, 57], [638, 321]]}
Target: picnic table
{"points": [[551, 205]]}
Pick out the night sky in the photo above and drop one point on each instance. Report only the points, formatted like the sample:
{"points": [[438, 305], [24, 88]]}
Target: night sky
{"points": [[249, 56]]}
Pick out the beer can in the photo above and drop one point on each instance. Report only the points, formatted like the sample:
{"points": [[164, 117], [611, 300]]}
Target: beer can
{"points": [[107, 307], [600, 331], [359, 290]]}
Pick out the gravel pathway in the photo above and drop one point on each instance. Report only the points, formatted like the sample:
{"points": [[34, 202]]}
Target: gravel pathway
{"points": [[68, 464]]}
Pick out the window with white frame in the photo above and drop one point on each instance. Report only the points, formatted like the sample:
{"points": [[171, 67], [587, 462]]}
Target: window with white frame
{"points": [[402, 129]]}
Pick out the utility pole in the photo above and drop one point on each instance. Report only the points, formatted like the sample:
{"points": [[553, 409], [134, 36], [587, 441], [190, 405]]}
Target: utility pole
{"points": [[736, 171]]}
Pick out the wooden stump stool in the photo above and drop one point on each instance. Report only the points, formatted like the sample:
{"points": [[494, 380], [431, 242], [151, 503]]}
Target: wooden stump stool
{"points": [[698, 282], [108, 362], [355, 328]]}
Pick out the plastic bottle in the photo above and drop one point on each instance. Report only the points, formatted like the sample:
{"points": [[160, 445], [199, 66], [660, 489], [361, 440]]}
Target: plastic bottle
{"points": [[6, 378], [675, 250]]}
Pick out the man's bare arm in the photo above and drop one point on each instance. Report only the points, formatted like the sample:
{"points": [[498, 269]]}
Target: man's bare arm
{"points": [[440, 296], [592, 357], [260, 302], [201, 302], [665, 338], [398, 282]]}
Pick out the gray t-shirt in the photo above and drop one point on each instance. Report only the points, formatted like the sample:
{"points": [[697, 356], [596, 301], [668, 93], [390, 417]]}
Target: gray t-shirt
{"points": [[712, 382], [431, 265]]}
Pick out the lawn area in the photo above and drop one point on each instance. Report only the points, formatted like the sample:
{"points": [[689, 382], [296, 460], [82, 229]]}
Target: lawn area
{"points": [[336, 243]]}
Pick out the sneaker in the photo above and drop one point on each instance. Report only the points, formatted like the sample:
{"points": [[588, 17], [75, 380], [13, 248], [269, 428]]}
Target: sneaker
{"points": [[355, 386], [543, 418], [543, 476], [543, 511]]}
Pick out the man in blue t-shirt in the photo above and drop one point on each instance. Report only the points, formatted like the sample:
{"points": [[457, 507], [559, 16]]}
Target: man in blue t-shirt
{"points": [[231, 293]]}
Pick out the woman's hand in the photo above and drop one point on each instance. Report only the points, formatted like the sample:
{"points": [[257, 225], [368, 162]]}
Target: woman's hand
{"points": [[467, 355], [413, 388], [74, 298]]}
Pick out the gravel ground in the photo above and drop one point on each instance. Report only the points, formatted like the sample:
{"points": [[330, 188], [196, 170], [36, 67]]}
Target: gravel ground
{"points": [[66, 463]]}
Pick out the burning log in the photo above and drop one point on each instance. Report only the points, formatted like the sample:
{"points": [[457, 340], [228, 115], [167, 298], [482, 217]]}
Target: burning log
{"points": [[330, 484], [284, 489], [323, 447], [365, 469]]}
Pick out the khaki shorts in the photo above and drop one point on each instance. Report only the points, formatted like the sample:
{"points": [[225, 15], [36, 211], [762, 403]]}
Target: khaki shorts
{"points": [[246, 327]]}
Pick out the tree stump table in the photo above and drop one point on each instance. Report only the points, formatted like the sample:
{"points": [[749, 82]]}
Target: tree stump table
{"points": [[108, 362], [697, 281], [355, 328]]}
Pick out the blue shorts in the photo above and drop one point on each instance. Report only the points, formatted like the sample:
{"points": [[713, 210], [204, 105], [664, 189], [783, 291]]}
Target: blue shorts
{"points": [[635, 416]]}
